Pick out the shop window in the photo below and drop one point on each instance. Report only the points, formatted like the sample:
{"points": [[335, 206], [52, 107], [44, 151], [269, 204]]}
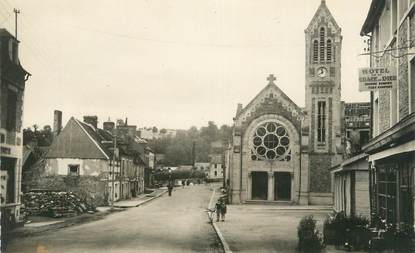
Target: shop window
{"points": [[321, 121], [386, 185], [73, 170]]}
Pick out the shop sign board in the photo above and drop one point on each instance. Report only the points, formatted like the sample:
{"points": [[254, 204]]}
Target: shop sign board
{"points": [[373, 79]]}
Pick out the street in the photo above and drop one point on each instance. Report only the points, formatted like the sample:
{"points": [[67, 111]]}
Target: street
{"points": [[167, 224]]}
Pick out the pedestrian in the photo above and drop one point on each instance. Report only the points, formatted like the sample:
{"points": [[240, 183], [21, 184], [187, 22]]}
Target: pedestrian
{"points": [[223, 209], [218, 211], [170, 185], [183, 183]]}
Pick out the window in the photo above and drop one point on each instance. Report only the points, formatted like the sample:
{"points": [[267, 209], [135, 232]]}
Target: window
{"points": [[364, 137], [412, 87], [216, 173], [73, 170], [216, 166], [329, 53], [11, 110], [322, 40], [315, 51], [271, 142], [321, 121], [386, 196]]}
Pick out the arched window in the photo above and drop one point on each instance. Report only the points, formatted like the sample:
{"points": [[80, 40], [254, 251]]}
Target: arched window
{"points": [[329, 50], [315, 51], [322, 42]]}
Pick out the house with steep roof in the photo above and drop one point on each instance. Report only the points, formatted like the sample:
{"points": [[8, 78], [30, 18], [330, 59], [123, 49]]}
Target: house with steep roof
{"points": [[81, 159]]}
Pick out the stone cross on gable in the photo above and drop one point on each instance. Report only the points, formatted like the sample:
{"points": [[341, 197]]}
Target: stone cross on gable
{"points": [[271, 78]]}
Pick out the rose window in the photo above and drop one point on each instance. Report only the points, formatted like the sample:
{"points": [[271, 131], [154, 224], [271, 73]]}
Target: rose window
{"points": [[271, 142]]}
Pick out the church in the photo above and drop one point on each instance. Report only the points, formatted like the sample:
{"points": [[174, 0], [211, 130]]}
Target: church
{"points": [[281, 152]]}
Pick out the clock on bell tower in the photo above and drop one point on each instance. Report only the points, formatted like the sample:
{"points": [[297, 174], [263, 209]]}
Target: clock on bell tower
{"points": [[322, 95], [323, 64]]}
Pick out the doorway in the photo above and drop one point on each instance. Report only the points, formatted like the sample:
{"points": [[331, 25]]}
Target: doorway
{"points": [[259, 185], [282, 186]]}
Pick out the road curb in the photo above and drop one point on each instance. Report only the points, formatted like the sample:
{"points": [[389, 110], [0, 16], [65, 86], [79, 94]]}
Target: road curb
{"points": [[152, 198], [225, 245]]}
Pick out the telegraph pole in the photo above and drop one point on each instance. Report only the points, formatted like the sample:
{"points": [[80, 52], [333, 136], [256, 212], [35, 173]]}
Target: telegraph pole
{"points": [[16, 12], [114, 158]]}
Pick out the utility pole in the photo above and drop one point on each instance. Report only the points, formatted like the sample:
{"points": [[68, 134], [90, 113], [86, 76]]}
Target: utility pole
{"points": [[16, 12], [114, 158]]}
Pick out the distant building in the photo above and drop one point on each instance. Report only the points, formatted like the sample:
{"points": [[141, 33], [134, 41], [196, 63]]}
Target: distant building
{"points": [[153, 133], [13, 79], [216, 161], [357, 127]]}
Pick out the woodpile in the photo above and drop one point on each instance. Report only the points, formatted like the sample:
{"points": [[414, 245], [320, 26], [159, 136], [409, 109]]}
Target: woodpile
{"points": [[55, 204]]}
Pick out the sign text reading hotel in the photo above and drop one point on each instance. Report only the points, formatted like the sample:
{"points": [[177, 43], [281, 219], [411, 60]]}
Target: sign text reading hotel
{"points": [[371, 79]]}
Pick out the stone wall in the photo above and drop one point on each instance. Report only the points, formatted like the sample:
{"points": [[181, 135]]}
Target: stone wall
{"points": [[90, 188], [319, 172]]}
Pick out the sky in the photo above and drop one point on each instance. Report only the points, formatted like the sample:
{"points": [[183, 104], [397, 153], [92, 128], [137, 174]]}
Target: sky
{"points": [[171, 64]]}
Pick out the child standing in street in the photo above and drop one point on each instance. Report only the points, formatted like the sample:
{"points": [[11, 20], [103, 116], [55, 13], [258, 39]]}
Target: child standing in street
{"points": [[220, 209]]}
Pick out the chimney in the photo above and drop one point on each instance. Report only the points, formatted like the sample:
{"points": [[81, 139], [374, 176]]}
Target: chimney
{"points": [[92, 120], [57, 122], [109, 126]]}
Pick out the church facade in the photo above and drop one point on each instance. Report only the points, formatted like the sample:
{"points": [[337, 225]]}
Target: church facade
{"points": [[281, 152]]}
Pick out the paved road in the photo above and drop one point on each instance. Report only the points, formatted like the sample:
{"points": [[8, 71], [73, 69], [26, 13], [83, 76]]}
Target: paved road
{"points": [[167, 224]]}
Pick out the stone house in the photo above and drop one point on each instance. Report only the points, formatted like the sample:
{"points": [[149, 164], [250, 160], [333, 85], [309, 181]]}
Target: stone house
{"points": [[13, 79], [81, 159], [390, 29]]}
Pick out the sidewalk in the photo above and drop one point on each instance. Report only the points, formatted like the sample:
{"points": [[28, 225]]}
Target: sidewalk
{"points": [[142, 199], [266, 228]]}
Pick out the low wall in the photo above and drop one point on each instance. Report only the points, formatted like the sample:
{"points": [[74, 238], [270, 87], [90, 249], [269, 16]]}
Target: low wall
{"points": [[91, 188]]}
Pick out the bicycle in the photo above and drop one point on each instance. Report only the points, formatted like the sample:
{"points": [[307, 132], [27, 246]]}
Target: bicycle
{"points": [[210, 214]]}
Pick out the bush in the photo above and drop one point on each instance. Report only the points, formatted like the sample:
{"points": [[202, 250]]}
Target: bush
{"points": [[308, 236], [349, 231]]}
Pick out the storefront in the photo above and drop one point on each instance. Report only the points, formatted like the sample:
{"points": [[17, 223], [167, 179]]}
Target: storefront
{"points": [[392, 165]]}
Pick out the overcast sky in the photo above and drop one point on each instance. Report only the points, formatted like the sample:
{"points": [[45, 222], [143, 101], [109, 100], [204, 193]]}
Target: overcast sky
{"points": [[170, 64]]}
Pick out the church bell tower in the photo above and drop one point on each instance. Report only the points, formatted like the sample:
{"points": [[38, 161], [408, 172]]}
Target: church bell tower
{"points": [[322, 94]]}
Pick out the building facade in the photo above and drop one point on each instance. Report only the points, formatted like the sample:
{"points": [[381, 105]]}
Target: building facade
{"points": [[12, 85], [390, 27], [281, 152]]}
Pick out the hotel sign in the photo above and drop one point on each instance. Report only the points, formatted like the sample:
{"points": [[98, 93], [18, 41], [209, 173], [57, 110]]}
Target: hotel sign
{"points": [[372, 79]]}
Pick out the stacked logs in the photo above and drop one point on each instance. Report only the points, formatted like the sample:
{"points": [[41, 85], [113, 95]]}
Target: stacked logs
{"points": [[55, 204]]}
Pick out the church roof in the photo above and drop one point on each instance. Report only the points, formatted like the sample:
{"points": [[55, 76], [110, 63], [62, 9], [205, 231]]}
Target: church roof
{"points": [[272, 88], [322, 10]]}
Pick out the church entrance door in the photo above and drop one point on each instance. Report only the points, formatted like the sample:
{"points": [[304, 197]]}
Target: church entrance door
{"points": [[259, 185], [282, 186]]}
